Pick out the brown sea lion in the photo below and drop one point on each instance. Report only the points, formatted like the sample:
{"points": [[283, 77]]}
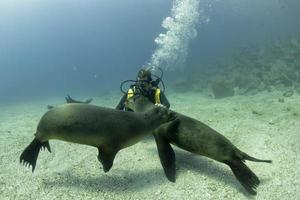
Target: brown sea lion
{"points": [[107, 129], [196, 137]]}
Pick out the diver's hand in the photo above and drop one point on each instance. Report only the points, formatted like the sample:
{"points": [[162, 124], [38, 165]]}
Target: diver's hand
{"points": [[160, 105]]}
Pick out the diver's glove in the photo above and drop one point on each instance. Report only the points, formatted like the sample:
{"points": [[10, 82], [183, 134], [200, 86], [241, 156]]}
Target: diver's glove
{"points": [[160, 105]]}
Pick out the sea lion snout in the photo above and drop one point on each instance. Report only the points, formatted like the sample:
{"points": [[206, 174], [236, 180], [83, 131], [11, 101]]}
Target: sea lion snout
{"points": [[164, 114], [172, 115]]}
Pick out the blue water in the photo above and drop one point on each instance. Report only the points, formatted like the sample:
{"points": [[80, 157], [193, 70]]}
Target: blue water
{"points": [[61, 47], [241, 23]]}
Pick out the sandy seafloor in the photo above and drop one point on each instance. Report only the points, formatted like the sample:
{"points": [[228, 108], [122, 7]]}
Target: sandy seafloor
{"points": [[259, 125]]}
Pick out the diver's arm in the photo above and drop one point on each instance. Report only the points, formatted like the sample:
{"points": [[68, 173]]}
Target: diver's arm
{"points": [[163, 100], [121, 104]]}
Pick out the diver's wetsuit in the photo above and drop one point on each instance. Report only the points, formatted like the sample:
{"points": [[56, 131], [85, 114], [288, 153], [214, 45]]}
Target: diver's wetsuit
{"points": [[151, 96]]}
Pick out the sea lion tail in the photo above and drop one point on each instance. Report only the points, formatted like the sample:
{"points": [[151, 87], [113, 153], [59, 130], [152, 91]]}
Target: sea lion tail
{"points": [[250, 158], [30, 154], [244, 175]]}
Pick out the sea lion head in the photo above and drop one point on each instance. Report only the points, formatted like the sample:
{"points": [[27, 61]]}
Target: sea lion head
{"points": [[139, 103], [160, 115]]}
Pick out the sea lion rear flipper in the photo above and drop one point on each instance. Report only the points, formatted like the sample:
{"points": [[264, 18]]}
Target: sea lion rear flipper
{"points": [[69, 99], [50, 107], [166, 156], [244, 175], [88, 100], [106, 157], [30, 154]]}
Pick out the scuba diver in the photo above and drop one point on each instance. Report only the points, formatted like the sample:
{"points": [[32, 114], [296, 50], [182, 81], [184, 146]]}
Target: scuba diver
{"points": [[143, 85], [146, 86]]}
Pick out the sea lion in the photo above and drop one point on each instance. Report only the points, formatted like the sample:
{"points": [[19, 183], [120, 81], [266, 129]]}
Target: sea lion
{"points": [[107, 129], [196, 137], [71, 100]]}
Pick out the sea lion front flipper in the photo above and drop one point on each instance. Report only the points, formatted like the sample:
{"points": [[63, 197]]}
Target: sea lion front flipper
{"points": [[106, 157], [166, 156], [165, 151]]}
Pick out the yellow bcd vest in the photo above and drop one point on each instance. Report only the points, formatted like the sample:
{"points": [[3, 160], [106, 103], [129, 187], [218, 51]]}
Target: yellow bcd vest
{"points": [[130, 93], [157, 96]]}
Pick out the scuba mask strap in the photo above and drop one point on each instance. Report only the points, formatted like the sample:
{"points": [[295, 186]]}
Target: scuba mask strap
{"points": [[159, 79], [122, 84]]}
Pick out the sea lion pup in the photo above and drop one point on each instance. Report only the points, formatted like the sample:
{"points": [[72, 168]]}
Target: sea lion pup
{"points": [[107, 129], [196, 137]]}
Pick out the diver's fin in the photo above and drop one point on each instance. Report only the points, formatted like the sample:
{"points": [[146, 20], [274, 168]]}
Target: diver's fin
{"points": [[166, 156], [30, 154], [106, 157], [244, 175]]}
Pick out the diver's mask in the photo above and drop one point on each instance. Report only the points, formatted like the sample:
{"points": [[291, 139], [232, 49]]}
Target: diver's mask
{"points": [[144, 87], [144, 83], [144, 75]]}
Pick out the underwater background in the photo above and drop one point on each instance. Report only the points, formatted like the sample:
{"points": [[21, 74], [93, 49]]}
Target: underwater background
{"points": [[231, 64], [77, 47]]}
